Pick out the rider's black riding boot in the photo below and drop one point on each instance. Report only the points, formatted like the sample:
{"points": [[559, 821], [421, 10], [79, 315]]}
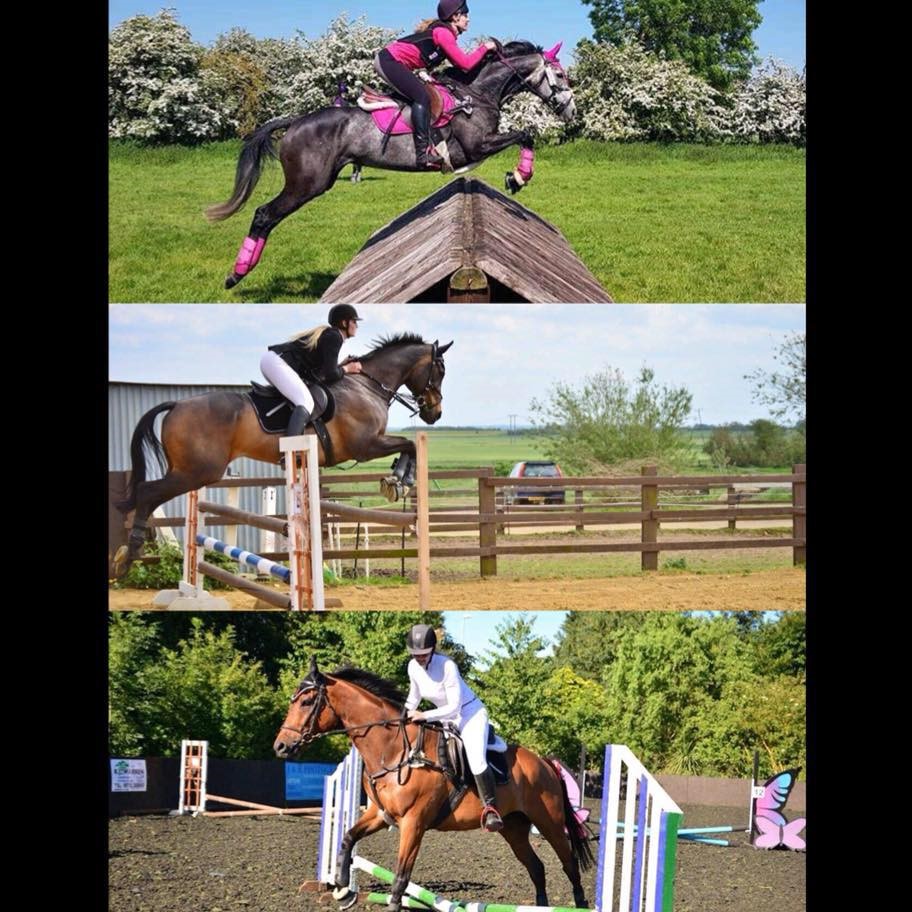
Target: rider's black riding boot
{"points": [[421, 118], [490, 818], [300, 418]]}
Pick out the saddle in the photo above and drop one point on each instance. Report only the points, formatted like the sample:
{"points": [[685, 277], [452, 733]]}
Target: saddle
{"points": [[273, 410], [452, 758], [392, 113]]}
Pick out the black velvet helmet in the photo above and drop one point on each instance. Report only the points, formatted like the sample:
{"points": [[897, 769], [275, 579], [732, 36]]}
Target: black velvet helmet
{"points": [[421, 640], [340, 313], [448, 8]]}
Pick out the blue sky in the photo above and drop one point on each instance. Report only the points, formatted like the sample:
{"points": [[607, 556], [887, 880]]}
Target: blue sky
{"points": [[501, 358], [476, 629], [781, 35]]}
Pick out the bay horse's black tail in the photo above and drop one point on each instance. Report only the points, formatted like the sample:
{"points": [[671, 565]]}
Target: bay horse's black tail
{"points": [[257, 147], [143, 437], [579, 843]]}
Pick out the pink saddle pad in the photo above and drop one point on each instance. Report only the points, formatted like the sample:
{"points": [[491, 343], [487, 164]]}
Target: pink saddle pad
{"points": [[384, 117]]}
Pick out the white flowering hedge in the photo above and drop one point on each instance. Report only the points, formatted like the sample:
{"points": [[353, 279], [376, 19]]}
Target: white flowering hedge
{"points": [[156, 89], [770, 107], [626, 93], [165, 88]]}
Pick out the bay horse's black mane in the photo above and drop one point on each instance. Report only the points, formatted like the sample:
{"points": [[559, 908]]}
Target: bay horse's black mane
{"points": [[510, 49], [373, 683], [385, 342]]}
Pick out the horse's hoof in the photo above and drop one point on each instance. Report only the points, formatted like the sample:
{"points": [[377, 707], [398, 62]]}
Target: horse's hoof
{"points": [[391, 488], [121, 563], [232, 280], [511, 183], [345, 897]]}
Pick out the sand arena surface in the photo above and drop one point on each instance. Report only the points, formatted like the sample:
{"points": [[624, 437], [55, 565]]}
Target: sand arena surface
{"points": [[177, 864], [761, 590]]}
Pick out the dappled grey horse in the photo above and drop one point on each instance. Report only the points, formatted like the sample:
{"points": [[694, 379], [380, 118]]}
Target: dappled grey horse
{"points": [[317, 146]]}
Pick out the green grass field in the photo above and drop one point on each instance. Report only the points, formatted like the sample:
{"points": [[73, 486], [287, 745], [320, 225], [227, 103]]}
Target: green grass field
{"points": [[653, 223], [467, 448]]}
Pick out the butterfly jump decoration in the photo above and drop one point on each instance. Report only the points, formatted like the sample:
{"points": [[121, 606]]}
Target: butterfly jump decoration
{"points": [[771, 830]]}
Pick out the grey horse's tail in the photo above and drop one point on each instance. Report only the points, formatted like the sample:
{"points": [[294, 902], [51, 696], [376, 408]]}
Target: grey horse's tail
{"points": [[257, 147]]}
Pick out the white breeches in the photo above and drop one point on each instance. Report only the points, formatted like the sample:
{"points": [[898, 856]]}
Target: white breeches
{"points": [[286, 380], [474, 731]]}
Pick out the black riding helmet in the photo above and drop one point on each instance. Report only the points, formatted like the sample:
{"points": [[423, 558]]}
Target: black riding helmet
{"points": [[340, 313], [421, 640], [448, 8]]}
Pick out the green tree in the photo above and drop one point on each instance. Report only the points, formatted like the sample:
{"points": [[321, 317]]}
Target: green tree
{"points": [[713, 37], [588, 640], [665, 682], [133, 646], [512, 686], [781, 647], [575, 714], [205, 688], [785, 391], [606, 420]]}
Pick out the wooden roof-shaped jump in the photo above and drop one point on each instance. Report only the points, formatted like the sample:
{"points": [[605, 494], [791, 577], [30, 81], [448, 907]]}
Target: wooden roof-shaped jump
{"points": [[466, 242]]}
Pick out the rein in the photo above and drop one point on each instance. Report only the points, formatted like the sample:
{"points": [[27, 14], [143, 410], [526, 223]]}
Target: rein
{"points": [[417, 402], [408, 400], [411, 757]]}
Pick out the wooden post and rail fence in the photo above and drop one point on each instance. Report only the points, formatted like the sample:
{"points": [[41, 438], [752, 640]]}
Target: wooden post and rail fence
{"points": [[598, 502]]}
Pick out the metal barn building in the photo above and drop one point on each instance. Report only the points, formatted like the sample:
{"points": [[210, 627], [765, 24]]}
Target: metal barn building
{"points": [[127, 403]]}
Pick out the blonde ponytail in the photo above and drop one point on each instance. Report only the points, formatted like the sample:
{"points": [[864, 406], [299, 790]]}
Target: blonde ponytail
{"points": [[310, 337]]}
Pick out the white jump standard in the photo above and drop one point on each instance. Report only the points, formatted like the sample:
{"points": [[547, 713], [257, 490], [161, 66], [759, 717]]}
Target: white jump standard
{"points": [[302, 528]]}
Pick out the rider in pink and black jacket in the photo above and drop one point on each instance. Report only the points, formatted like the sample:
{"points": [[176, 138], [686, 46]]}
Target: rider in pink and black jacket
{"points": [[433, 42]]}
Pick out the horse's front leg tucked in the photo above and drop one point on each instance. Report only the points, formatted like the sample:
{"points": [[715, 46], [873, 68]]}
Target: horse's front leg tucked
{"points": [[516, 179]]}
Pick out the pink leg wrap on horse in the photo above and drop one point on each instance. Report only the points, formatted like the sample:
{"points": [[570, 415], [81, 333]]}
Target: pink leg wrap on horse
{"points": [[249, 255], [526, 161]]}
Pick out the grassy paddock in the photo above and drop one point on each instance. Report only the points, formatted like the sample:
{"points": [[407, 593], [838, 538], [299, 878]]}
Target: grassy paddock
{"points": [[467, 448], [653, 223]]}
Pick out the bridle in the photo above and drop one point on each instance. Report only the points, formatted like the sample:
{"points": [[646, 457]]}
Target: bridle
{"points": [[545, 71], [308, 732], [415, 403]]}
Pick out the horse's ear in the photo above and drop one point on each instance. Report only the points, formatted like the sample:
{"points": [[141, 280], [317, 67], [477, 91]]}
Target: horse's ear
{"points": [[443, 348], [314, 673], [552, 54]]}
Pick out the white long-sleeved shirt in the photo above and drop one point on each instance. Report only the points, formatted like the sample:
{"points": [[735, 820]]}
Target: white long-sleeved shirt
{"points": [[442, 684]]}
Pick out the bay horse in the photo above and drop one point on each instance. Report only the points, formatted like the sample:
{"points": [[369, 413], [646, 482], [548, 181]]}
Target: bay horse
{"points": [[317, 146], [370, 710], [202, 434]]}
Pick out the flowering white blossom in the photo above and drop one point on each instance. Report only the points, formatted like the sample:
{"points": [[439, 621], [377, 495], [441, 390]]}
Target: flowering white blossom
{"points": [[771, 106], [627, 93], [156, 92]]}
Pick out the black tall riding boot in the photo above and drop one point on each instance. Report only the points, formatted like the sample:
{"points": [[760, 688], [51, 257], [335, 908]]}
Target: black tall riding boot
{"points": [[298, 421], [421, 125], [490, 818]]}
